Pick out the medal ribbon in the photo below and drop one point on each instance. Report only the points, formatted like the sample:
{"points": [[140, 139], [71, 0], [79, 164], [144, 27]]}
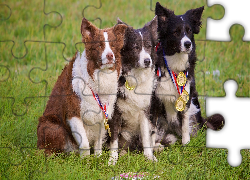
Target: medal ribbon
{"points": [[159, 69], [103, 108], [173, 75], [175, 82]]}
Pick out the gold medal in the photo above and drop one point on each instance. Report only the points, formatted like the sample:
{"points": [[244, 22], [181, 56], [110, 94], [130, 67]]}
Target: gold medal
{"points": [[180, 104], [106, 125], [185, 96], [181, 79], [128, 87], [109, 132]]}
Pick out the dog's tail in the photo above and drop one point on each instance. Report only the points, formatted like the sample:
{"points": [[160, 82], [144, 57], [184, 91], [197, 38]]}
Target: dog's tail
{"points": [[215, 122]]}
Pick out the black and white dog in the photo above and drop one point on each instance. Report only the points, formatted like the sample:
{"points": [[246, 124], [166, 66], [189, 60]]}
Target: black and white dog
{"points": [[131, 116], [175, 66]]}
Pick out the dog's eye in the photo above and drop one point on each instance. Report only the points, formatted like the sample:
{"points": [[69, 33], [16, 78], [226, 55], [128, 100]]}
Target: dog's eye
{"points": [[188, 30], [148, 45], [135, 46], [112, 45], [177, 33]]}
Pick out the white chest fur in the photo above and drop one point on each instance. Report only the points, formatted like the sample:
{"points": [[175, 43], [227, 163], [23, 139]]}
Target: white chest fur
{"points": [[104, 84], [137, 100]]}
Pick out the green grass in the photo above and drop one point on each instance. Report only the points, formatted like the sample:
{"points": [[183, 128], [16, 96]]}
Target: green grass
{"points": [[26, 81]]}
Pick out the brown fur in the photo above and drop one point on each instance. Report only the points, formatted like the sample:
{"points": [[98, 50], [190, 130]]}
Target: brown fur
{"points": [[95, 43], [53, 133]]}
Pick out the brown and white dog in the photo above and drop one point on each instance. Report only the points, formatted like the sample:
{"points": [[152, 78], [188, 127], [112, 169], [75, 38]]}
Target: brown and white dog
{"points": [[131, 118], [73, 118]]}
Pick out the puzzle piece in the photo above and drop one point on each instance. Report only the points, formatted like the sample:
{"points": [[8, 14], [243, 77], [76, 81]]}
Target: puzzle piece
{"points": [[230, 107], [5, 12], [24, 25], [236, 12], [16, 78], [220, 64]]}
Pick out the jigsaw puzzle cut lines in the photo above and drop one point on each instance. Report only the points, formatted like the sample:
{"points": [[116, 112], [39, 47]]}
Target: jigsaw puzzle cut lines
{"points": [[218, 30], [5, 12], [231, 107], [20, 72], [36, 42], [219, 65], [4, 73], [17, 26]]}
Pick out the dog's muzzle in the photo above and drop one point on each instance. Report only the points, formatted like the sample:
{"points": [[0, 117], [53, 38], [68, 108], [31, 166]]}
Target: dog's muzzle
{"points": [[147, 62], [187, 44]]}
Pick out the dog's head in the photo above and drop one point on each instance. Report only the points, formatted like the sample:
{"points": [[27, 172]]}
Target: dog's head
{"points": [[102, 46], [176, 33], [139, 46]]}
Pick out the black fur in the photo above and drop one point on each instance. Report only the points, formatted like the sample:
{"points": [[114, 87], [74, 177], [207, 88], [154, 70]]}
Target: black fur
{"points": [[130, 52], [171, 30], [133, 45]]}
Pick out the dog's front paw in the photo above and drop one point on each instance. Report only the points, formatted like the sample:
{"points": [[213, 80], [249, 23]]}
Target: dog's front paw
{"points": [[158, 147], [113, 158], [150, 155], [112, 161], [185, 140], [98, 153], [84, 152], [152, 158]]}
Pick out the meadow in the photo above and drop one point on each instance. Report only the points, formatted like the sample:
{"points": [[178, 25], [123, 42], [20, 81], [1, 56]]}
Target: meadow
{"points": [[37, 40]]}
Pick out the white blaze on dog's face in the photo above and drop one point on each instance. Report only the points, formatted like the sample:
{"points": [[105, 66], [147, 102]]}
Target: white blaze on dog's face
{"points": [[186, 43], [102, 46], [108, 57], [139, 46], [145, 60]]}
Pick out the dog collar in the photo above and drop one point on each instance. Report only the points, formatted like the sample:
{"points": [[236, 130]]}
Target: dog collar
{"points": [[104, 110]]}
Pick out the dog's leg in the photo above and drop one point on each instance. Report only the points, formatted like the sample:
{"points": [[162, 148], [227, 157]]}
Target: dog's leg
{"points": [[153, 137], [185, 129], [172, 119], [157, 147], [80, 136], [98, 140], [114, 152], [146, 139]]}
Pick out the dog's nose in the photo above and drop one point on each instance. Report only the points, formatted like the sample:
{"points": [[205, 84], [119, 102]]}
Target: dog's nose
{"points": [[147, 62], [110, 56], [187, 44]]}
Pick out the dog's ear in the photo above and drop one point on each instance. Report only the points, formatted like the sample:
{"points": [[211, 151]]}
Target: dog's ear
{"points": [[162, 13], [152, 27], [119, 21], [88, 30], [194, 15], [119, 32], [119, 29]]}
